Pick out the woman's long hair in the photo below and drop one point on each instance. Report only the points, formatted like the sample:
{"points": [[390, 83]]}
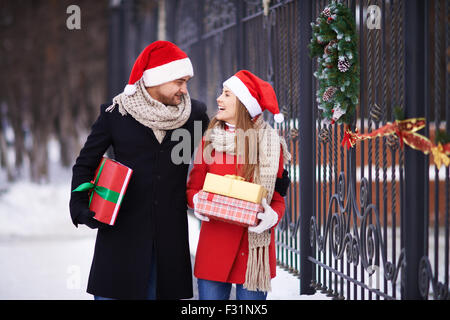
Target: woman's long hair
{"points": [[246, 141]]}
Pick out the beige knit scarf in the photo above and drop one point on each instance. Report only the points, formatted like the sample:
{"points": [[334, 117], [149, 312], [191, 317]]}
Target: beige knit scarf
{"points": [[258, 268], [152, 113]]}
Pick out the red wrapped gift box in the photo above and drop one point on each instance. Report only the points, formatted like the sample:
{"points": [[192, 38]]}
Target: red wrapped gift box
{"points": [[107, 189], [231, 210]]}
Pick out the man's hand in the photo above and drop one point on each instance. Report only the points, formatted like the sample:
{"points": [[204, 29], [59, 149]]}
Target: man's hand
{"points": [[86, 217]]}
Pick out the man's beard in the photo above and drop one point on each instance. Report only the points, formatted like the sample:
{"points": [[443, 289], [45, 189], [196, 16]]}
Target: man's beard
{"points": [[175, 100]]}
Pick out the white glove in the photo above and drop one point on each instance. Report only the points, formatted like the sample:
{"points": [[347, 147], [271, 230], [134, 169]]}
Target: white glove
{"points": [[198, 215], [268, 218]]}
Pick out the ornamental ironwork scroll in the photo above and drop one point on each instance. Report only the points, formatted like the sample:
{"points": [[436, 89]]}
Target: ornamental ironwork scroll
{"points": [[363, 244]]}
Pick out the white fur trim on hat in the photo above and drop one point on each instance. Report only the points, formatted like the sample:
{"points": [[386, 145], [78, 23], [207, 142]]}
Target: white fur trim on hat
{"points": [[241, 91], [168, 72], [130, 89], [278, 117]]}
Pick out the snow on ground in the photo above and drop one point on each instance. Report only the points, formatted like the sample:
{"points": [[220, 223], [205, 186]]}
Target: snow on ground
{"points": [[43, 256], [45, 268]]}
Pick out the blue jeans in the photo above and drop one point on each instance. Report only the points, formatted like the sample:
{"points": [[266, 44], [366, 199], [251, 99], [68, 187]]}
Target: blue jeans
{"points": [[152, 284], [215, 290]]}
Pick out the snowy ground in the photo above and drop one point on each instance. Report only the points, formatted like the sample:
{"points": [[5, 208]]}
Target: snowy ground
{"points": [[43, 256]]}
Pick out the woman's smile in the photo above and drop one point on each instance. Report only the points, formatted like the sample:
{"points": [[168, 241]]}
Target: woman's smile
{"points": [[226, 106]]}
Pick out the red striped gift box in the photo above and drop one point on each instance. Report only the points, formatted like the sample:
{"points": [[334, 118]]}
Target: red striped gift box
{"points": [[115, 176], [231, 210], [107, 189]]}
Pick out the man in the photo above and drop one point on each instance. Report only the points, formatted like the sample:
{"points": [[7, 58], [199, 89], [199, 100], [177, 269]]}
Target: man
{"points": [[145, 255]]}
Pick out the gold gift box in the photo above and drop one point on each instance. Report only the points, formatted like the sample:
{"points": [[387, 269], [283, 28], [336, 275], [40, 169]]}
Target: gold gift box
{"points": [[234, 187]]}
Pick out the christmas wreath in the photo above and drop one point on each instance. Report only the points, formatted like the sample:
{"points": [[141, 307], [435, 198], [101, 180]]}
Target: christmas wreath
{"points": [[335, 44]]}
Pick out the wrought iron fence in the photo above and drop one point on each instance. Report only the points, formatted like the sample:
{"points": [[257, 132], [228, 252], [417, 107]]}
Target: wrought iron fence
{"points": [[359, 190], [371, 222], [371, 229]]}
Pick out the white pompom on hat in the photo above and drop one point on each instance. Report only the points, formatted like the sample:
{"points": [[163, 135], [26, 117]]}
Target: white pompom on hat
{"points": [[255, 94], [158, 63]]}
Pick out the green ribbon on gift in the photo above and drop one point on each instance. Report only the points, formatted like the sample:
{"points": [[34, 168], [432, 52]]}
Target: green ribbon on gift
{"points": [[103, 192]]}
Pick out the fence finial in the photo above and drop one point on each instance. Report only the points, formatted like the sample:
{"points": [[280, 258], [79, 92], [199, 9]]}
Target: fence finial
{"points": [[266, 4]]}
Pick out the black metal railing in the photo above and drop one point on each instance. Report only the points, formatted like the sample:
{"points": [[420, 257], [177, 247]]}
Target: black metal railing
{"points": [[373, 244], [433, 269], [352, 213]]}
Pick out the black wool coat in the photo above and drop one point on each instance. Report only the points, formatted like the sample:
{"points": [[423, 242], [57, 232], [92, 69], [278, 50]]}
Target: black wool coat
{"points": [[153, 211]]}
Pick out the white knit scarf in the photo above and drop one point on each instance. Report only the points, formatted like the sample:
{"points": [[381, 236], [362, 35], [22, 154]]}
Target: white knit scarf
{"points": [[152, 113], [269, 143]]}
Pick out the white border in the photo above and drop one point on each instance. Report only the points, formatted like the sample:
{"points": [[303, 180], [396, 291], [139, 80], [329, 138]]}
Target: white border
{"points": [[116, 208]]}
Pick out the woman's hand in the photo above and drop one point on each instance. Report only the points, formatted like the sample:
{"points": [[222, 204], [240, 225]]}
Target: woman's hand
{"points": [[198, 215], [268, 218]]}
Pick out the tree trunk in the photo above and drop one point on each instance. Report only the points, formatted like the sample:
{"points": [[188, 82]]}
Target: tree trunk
{"points": [[4, 161]]}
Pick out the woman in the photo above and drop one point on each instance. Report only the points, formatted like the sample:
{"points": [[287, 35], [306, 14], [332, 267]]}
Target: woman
{"points": [[239, 142]]}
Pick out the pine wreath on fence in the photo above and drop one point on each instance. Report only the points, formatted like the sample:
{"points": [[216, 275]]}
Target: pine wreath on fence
{"points": [[335, 44]]}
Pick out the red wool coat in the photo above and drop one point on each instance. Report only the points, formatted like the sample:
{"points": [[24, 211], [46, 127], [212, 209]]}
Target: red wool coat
{"points": [[222, 249]]}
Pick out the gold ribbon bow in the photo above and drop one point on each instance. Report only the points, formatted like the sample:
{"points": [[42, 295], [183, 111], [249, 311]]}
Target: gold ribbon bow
{"points": [[406, 132]]}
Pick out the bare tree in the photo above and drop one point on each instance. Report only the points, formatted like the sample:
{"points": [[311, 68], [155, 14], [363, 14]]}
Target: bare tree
{"points": [[53, 79]]}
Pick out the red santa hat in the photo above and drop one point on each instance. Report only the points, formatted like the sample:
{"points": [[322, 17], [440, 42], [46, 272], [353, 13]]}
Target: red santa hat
{"points": [[158, 63], [255, 94]]}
